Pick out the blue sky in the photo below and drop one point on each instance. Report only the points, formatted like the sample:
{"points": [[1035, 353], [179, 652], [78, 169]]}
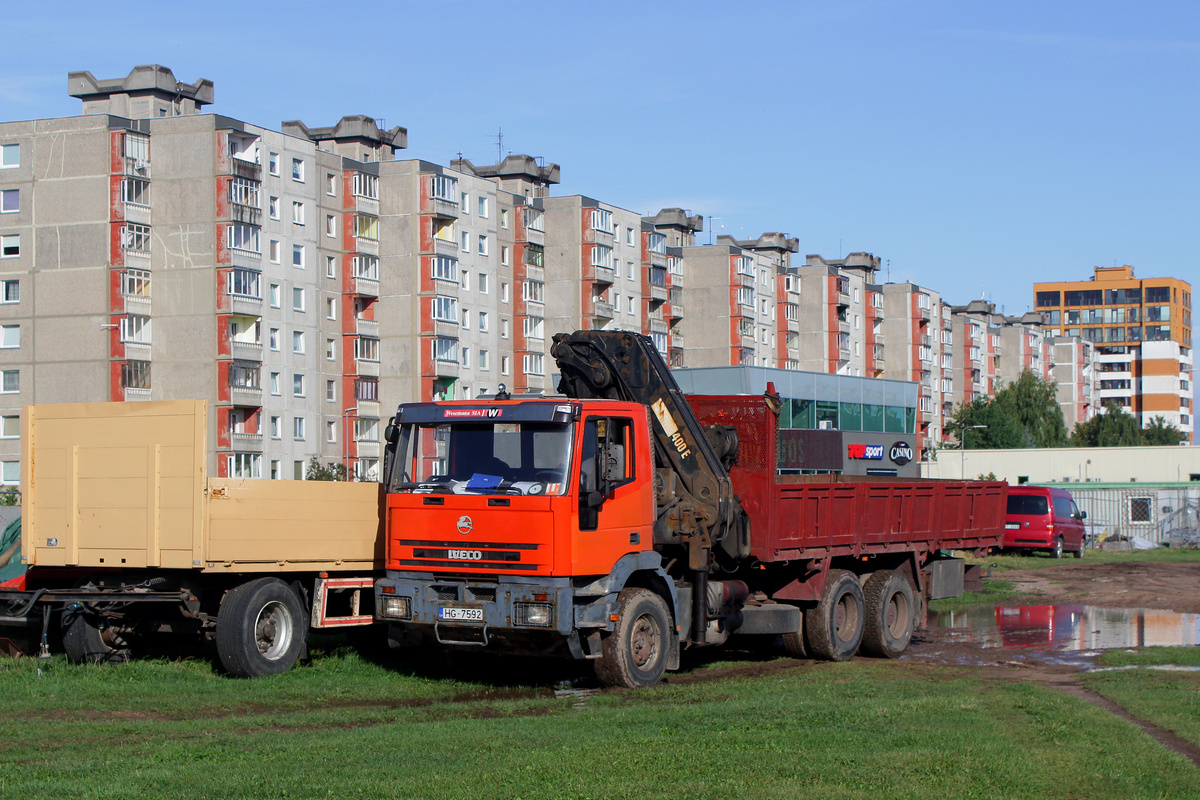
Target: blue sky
{"points": [[975, 147]]}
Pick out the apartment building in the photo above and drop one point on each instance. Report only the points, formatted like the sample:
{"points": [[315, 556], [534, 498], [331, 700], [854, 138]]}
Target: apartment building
{"points": [[733, 300], [917, 345], [678, 230], [1142, 332], [1071, 364], [839, 313]]}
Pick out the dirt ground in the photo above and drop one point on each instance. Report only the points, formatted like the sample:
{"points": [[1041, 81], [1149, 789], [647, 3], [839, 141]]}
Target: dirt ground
{"points": [[1170, 587]]}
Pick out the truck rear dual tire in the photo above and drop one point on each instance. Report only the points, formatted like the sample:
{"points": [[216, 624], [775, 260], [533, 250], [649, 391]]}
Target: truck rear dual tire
{"points": [[891, 614], [261, 628], [834, 629], [634, 654]]}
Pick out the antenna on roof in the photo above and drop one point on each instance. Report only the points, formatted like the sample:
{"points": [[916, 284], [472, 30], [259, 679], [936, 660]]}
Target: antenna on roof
{"points": [[499, 145]]}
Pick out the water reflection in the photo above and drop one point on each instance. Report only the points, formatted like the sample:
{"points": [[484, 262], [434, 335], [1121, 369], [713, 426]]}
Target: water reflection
{"points": [[1070, 627]]}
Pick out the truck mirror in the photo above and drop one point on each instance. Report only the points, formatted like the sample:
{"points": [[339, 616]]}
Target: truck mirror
{"points": [[391, 434]]}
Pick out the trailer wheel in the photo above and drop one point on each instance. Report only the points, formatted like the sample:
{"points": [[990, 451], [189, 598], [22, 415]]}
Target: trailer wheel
{"points": [[635, 653], [891, 614], [261, 627], [834, 628], [89, 638]]}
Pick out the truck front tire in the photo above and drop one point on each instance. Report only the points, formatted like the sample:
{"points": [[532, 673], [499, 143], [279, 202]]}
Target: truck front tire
{"points": [[88, 638], [634, 655], [834, 628], [261, 628], [891, 613]]}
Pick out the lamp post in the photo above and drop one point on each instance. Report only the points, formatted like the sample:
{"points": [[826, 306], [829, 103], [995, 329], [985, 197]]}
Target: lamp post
{"points": [[346, 438], [963, 447]]}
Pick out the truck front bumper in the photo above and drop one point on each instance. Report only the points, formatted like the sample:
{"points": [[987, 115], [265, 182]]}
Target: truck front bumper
{"points": [[462, 611]]}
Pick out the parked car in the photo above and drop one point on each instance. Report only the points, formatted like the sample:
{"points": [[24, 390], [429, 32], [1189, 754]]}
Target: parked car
{"points": [[1044, 518]]}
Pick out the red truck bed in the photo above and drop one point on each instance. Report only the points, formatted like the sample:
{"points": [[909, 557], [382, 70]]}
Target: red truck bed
{"points": [[810, 516]]}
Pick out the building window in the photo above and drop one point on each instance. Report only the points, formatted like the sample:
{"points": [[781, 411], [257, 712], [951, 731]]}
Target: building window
{"points": [[298, 342], [243, 237], [298, 256], [445, 309], [10, 336], [445, 349], [483, 208], [366, 226], [298, 170], [10, 201], [366, 349], [135, 328], [10, 245], [534, 327], [503, 291], [10, 473], [297, 298], [443, 187], [12, 290], [331, 391], [466, 242], [244, 283], [298, 429], [274, 295], [444, 268], [331, 349], [483, 245], [483, 321], [504, 365], [10, 156], [503, 328], [533, 291], [275, 427], [533, 364], [330, 226], [297, 212], [297, 385], [330, 267], [135, 191], [245, 465], [10, 427], [366, 429], [366, 186], [331, 184], [273, 207], [504, 254], [273, 163], [601, 220], [134, 283], [366, 267], [10, 381], [273, 339], [244, 192], [465, 357], [483, 283], [331, 308], [601, 256], [483, 359], [504, 218]]}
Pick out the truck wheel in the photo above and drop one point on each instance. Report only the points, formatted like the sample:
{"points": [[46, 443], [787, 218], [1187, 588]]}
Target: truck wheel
{"points": [[834, 628], [89, 638], [261, 627], [1057, 552], [890, 614], [635, 653]]}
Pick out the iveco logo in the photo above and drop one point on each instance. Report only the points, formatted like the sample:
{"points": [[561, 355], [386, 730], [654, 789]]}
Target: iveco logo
{"points": [[465, 525], [465, 555]]}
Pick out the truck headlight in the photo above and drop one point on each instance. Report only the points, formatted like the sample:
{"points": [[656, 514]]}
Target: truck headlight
{"points": [[533, 615], [397, 607]]}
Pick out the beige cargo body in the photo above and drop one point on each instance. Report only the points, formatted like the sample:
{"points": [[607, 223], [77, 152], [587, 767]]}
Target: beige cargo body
{"points": [[124, 485]]}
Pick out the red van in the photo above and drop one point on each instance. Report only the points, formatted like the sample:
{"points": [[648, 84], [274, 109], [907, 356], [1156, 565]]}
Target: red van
{"points": [[1043, 518]]}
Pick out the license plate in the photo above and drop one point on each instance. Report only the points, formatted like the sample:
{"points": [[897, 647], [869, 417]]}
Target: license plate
{"points": [[1012, 526], [453, 614]]}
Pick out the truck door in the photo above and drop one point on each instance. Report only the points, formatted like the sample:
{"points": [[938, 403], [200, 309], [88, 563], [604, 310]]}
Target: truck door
{"points": [[613, 515]]}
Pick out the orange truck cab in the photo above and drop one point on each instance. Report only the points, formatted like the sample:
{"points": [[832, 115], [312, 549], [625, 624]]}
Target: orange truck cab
{"points": [[517, 522]]}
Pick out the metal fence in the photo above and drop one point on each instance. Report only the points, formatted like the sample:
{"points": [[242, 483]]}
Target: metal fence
{"points": [[1160, 513]]}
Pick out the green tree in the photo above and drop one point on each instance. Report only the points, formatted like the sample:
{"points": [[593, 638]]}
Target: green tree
{"points": [[324, 472], [1033, 402], [999, 430], [1159, 431], [1116, 427]]}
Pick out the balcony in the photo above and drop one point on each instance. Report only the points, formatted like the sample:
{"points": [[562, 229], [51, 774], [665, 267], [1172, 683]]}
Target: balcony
{"points": [[535, 273], [658, 292], [602, 309], [137, 351], [366, 327], [878, 352], [245, 214], [658, 326], [604, 275], [246, 395], [369, 369], [366, 287], [367, 449], [245, 441], [245, 169], [136, 395], [593, 236], [744, 280], [442, 369], [137, 167], [250, 351]]}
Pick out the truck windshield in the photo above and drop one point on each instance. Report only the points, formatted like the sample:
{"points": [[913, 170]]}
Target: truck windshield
{"points": [[528, 458]]}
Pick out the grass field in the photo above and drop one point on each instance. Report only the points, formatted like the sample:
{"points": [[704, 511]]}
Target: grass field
{"points": [[347, 727], [1006, 561]]}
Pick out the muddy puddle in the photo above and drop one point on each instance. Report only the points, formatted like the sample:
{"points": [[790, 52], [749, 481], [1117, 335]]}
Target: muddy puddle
{"points": [[1067, 628]]}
